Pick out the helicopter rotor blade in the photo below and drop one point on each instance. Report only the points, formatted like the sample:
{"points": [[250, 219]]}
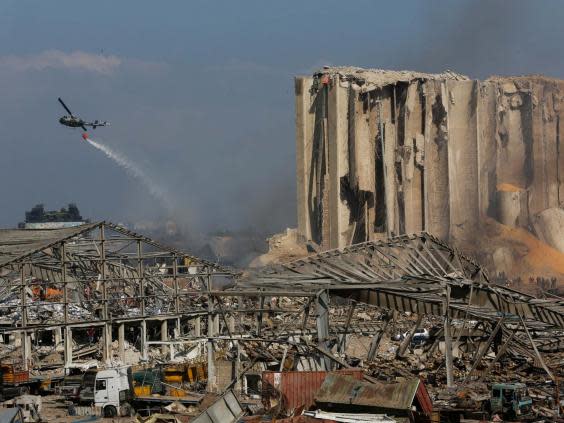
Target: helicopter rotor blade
{"points": [[65, 106]]}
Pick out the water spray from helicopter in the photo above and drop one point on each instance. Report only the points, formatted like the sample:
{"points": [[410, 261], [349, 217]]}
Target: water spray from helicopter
{"points": [[130, 167], [133, 170]]}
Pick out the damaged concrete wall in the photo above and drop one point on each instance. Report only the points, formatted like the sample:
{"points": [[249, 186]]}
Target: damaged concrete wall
{"points": [[382, 153]]}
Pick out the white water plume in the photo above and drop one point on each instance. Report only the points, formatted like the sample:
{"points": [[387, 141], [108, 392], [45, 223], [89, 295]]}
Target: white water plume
{"points": [[135, 171]]}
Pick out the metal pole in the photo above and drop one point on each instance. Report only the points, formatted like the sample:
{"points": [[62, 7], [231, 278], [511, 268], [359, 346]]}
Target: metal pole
{"points": [[405, 343], [107, 335], [259, 317], [64, 280], [23, 298], [484, 347], [141, 278], [322, 303], [375, 344], [212, 381], [448, 339], [175, 279], [343, 341]]}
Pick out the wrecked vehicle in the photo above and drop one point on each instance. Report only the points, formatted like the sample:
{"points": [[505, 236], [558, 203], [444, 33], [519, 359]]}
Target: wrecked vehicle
{"points": [[70, 387], [511, 400]]}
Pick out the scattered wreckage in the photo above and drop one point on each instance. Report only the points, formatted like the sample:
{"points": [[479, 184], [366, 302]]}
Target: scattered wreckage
{"points": [[105, 298]]}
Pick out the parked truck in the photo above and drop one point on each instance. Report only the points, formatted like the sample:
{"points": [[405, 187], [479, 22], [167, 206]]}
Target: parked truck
{"points": [[111, 391], [15, 382], [70, 387]]}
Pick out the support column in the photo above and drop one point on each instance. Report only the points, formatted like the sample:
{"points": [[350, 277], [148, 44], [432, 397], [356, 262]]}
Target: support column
{"points": [[121, 342], [176, 331], [144, 355], [58, 336], [107, 339], [25, 342], [238, 369], [26, 349], [198, 326], [216, 324], [177, 328], [342, 347], [322, 302], [212, 378], [164, 335], [68, 346], [259, 317], [448, 340]]}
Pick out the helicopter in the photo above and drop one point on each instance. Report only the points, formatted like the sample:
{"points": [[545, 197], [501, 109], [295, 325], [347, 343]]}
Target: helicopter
{"points": [[76, 122]]}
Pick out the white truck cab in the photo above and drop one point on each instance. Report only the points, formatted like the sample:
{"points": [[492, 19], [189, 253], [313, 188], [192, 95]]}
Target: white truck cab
{"points": [[110, 389]]}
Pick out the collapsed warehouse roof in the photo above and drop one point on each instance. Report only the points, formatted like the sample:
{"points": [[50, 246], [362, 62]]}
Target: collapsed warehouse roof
{"points": [[18, 244], [422, 275], [15, 244], [411, 273], [92, 275], [102, 275]]}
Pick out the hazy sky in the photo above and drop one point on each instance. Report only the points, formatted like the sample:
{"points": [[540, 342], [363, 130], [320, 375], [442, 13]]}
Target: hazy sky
{"points": [[200, 93]]}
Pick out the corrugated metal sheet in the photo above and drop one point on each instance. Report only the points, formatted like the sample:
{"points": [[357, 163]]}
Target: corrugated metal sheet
{"points": [[339, 389], [16, 243], [290, 390], [226, 409]]}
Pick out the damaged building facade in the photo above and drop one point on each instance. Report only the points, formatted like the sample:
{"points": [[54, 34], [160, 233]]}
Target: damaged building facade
{"points": [[383, 153]]}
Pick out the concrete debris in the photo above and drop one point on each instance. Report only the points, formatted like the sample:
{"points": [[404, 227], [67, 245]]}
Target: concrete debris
{"points": [[282, 248], [178, 408], [159, 418]]}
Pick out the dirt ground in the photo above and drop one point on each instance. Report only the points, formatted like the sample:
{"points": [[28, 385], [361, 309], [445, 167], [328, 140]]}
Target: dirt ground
{"points": [[54, 409]]}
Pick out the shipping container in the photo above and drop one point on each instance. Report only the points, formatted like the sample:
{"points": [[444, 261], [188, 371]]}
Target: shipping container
{"points": [[290, 390]]}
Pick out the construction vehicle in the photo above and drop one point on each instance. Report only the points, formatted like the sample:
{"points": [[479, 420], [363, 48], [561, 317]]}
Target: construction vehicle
{"points": [[511, 401]]}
